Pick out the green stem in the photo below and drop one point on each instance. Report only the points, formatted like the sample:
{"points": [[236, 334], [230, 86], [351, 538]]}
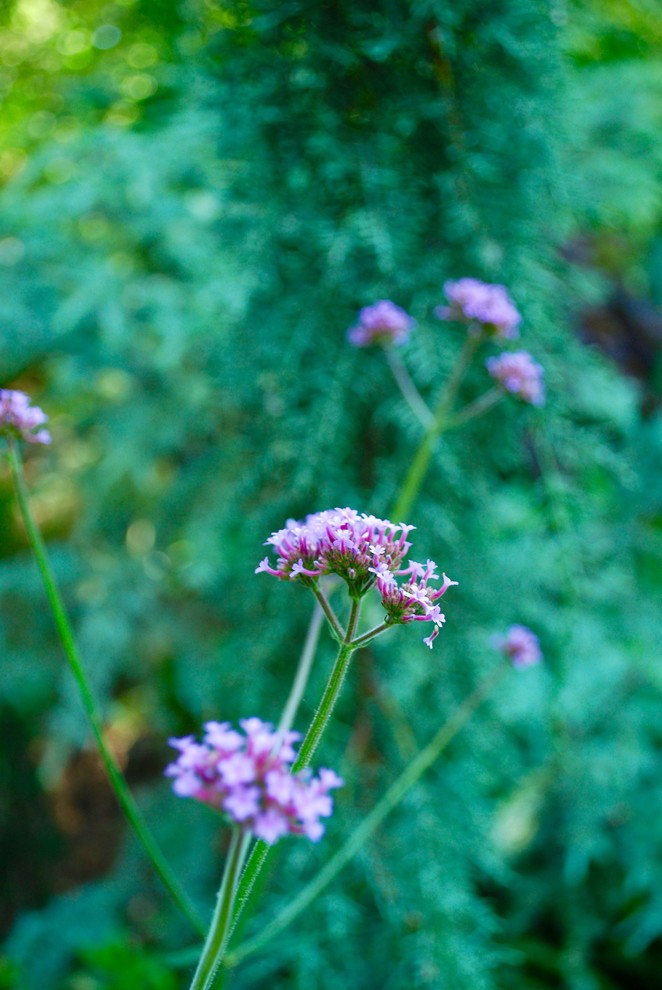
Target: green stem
{"points": [[303, 672], [219, 930], [261, 853], [115, 776], [258, 861], [261, 849], [331, 693], [395, 793], [419, 466], [325, 605], [409, 391], [370, 635], [477, 408]]}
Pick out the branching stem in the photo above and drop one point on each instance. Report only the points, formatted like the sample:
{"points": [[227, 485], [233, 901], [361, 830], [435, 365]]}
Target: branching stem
{"points": [[419, 466], [409, 391], [360, 835], [261, 853], [367, 637], [477, 408]]}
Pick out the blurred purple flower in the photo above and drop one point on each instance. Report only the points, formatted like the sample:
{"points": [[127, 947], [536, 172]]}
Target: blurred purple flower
{"points": [[519, 374], [247, 775], [473, 301], [365, 552], [520, 645], [19, 419], [383, 323]]}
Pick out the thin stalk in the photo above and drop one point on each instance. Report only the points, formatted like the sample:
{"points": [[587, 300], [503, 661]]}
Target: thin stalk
{"points": [[368, 636], [450, 389], [419, 466], [478, 407], [395, 793], [409, 391], [331, 693], [261, 853], [259, 861], [183, 958], [325, 605], [219, 929], [303, 672], [115, 775], [261, 849]]}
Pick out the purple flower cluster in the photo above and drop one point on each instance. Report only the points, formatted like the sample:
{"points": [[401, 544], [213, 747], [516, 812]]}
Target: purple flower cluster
{"points": [[19, 419], [472, 301], [519, 374], [520, 645], [414, 600], [247, 775], [365, 552], [383, 323]]}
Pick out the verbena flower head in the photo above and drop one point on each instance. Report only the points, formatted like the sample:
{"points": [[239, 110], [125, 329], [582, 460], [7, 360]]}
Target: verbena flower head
{"points": [[20, 420], [413, 600], [383, 323], [473, 301], [519, 374], [520, 645], [247, 776], [365, 552]]}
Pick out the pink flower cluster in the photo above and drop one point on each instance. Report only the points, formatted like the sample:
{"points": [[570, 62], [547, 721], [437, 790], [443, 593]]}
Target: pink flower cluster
{"points": [[247, 775], [383, 323], [414, 600], [472, 301], [19, 419], [365, 552], [520, 645], [519, 374]]}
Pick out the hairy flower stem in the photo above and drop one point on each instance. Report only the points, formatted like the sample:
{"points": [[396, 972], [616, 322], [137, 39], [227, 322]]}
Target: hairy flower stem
{"points": [[331, 693], [409, 391], [261, 853], [115, 775], [419, 466], [219, 930], [325, 605], [360, 835], [371, 634]]}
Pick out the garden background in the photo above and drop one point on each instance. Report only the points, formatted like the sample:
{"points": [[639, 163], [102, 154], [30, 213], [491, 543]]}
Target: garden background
{"points": [[196, 199]]}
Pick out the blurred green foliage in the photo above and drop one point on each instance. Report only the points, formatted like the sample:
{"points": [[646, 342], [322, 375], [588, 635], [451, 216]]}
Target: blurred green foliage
{"points": [[197, 198]]}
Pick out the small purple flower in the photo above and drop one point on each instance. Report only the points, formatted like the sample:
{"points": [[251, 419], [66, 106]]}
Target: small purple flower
{"points": [[365, 552], [247, 776], [383, 323], [519, 374], [472, 301], [19, 419], [520, 645]]}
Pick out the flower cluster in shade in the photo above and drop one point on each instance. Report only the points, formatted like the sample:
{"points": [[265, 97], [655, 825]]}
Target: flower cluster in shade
{"points": [[247, 776], [475, 302], [520, 645], [20, 420], [519, 374], [365, 552], [383, 323]]}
